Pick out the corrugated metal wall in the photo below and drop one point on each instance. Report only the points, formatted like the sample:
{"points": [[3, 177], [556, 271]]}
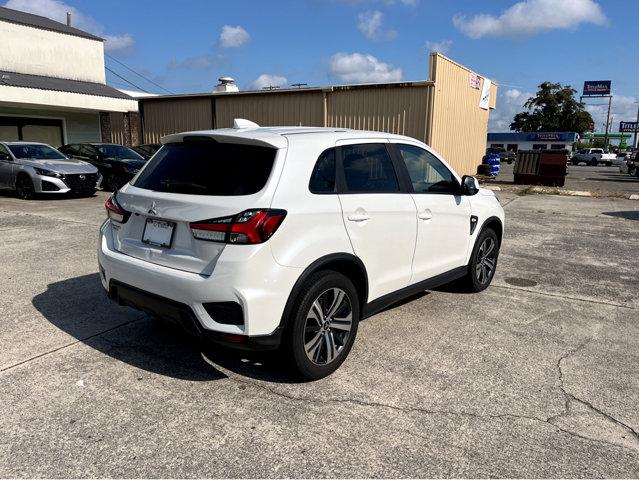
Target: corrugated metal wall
{"points": [[173, 115], [458, 127], [273, 109], [117, 128], [400, 110], [443, 112]]}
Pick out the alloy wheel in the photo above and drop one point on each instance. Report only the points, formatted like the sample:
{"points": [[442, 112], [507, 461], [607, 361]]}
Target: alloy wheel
{"points": [[328, 326], [486, 261]]}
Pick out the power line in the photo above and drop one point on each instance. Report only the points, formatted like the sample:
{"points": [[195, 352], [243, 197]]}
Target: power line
{"points": [[127, 81], [138, 74]]}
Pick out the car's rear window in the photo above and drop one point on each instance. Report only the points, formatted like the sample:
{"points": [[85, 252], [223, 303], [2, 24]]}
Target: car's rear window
{"points": [[208, 168]]}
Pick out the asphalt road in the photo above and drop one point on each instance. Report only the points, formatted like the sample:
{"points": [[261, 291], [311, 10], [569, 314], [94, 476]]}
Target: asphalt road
{"points": [[585, 178], [536, 377]]}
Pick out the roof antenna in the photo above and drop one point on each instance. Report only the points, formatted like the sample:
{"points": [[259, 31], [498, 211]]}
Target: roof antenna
{"points": [[68, 19]]}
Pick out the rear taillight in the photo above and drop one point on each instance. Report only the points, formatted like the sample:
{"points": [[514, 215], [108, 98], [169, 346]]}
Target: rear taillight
{"points": [[248, 227], [115, 211]]}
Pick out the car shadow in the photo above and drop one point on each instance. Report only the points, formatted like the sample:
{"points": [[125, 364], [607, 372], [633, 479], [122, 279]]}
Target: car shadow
{"points": [[80, 307], [628, 215]]}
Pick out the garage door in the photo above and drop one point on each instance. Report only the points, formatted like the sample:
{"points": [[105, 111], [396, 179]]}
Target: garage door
{"points": [[44, 130]]}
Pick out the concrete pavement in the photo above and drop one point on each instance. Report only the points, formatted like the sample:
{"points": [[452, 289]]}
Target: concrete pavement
{"points": [[536, 376]]}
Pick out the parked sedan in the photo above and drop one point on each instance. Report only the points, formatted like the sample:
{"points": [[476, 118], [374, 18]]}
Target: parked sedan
{"points": [[117, 164], [30, 168], [147, 150]]}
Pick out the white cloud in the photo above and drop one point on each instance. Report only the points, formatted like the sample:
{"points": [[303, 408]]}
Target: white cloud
{"points": [[624, 109], [57, 10], [509, 103], [119, 43], [442, 46], [268, 80], [371, 24], [362, 68], [529, 17], [233, 37]]}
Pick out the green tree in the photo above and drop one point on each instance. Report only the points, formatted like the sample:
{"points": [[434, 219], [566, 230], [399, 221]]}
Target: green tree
{"points": [[553, 109]]}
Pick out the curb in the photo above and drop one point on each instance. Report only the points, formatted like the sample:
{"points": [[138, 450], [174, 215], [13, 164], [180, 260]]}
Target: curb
{"points": [[535, 189]]}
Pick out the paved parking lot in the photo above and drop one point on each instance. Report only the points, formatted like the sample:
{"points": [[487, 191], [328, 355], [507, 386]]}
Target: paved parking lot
{"points": [[536, 376], [599, 180]]}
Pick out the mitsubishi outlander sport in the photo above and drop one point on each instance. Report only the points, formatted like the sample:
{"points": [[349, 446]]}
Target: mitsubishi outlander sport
{"points": [[262, 238]]}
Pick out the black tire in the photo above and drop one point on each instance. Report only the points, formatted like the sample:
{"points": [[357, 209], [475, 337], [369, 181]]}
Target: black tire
{"points": [[575, 163], [593, 162], [327, 340], [473, 281], [24, 187], [608, 164]]}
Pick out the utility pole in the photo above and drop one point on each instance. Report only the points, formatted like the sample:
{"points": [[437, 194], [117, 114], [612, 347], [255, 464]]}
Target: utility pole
{"points": [[634, 141], [607, 123]]}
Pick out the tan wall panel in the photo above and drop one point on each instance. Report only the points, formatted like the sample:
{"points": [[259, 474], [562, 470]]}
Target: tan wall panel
{"points": [[272, 109], [166, 116], [459, 127], [400, 110]]}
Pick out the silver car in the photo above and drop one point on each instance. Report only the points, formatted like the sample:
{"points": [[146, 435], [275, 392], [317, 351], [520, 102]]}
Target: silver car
{"points": [[32, 168]]}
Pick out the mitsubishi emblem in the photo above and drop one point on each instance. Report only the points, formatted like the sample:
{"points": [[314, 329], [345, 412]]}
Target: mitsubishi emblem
{"points": [[152, 210]]}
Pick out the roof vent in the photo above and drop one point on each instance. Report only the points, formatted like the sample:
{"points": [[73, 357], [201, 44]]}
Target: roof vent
{"points": [[227, 84], [243, 123]]}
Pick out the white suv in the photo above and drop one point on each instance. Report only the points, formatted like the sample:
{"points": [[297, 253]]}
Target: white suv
{"points": [[268, 237]]}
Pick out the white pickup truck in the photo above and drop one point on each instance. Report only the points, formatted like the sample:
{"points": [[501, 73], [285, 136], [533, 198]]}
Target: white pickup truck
{"points": [[593, 156]]}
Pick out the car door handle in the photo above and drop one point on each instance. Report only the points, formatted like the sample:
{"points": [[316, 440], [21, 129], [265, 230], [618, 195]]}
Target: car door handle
{"points": [[358, 217], [425, 215]]}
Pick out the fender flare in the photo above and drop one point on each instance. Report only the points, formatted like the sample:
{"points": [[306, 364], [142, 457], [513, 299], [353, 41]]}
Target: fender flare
{"points": [[316, 266]]}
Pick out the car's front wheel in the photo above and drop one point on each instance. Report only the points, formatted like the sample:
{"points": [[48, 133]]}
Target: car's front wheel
{"points": [[24, 187], [483, 261], [323, 324]]}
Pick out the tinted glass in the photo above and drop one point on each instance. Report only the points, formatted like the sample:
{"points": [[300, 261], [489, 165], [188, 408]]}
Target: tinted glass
{"points": [[427, 173], [323, 176], [208, 168], [28, 150], [87, 150], [368, 169], [118, 152]]}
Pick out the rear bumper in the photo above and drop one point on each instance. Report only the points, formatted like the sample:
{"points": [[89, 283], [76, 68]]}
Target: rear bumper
{"points": [[183, 316], [248, 277]]}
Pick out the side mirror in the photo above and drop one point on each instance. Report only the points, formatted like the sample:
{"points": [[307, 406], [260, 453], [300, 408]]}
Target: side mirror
{"points": [[470, 185], [5, 156], [94, 157]]}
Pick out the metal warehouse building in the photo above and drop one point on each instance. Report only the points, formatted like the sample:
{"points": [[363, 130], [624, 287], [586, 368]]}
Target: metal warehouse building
{"points": [[449, 111]]}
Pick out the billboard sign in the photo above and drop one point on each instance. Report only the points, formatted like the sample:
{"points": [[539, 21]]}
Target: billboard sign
{"points": [[628, 127], [596, 87]]}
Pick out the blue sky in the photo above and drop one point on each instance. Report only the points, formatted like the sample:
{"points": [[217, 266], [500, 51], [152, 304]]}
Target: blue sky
{"points": [[185, 46]]}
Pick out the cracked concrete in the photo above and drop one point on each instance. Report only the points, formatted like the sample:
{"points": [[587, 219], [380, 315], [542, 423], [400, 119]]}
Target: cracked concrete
{"points": [[536, 381]]}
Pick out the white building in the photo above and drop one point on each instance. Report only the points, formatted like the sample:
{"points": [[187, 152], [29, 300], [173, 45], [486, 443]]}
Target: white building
{"points": [[514, 141], [52, 83]]}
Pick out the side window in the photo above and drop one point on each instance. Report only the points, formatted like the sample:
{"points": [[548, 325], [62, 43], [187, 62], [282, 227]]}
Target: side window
{"points": [[323, 176], [86, 150], [368, 169], [4, 152], [427, 173]]}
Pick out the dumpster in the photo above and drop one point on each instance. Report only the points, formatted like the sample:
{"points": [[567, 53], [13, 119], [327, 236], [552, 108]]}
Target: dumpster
{"points": [[541, 167]]}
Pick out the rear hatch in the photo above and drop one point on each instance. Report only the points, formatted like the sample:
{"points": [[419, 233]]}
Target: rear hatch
{"points": [[192, 181]]}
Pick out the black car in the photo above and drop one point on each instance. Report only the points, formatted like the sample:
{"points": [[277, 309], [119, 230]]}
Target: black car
{"points": [[117, 164], [147, 150]]}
